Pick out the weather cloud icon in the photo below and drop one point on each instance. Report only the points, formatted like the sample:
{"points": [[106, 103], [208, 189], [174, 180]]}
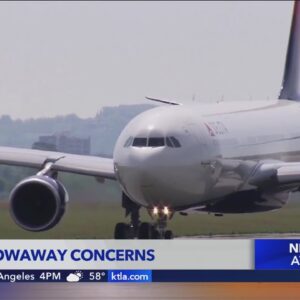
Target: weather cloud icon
{"points": [[74, 277]]}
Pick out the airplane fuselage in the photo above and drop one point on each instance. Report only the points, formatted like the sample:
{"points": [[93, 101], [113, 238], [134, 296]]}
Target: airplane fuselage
{"points": [[201, 168]]}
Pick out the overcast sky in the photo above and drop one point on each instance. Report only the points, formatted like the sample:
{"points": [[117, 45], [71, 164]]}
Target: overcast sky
{"points": [[75, 57]]}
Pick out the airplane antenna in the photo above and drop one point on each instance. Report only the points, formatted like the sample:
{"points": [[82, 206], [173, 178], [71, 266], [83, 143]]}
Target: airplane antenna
{"points": [[163, 101]]}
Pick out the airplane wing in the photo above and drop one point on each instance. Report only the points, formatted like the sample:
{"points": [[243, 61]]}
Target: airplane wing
{"points": [[285, 175], [268, 177], [79, 164], [263, 174]]}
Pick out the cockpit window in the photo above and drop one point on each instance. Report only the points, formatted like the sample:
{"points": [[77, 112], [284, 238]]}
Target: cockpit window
{"points": [[139, 142], [128, 142], [175, 142], [169, 143], [156, 142]]}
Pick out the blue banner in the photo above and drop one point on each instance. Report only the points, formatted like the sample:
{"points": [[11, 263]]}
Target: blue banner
{"points": [[277, 254]]}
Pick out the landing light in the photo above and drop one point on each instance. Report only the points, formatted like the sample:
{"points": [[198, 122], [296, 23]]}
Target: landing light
{"points": [[156, 211], [166, 210]]}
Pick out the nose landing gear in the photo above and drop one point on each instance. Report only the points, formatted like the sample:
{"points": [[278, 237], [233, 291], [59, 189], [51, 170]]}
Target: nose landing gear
{"points": [[144, 230], [161, 215], [131, 230]]}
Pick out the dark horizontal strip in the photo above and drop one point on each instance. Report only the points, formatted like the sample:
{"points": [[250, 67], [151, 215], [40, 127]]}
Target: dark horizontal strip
{"points": [[180, 276], [225, 276]]}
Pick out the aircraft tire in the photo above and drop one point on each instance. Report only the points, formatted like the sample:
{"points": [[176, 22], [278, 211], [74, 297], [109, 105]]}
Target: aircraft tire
{"points": [[145, 231], [155, 234], [121, 231], [168, 235]]}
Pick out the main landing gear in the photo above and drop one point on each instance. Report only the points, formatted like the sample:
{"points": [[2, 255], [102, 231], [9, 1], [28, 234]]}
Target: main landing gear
{"points": [[143, 230]]}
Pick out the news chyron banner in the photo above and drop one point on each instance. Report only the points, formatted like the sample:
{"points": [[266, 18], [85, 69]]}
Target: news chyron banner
{"points": [[144, 261]]}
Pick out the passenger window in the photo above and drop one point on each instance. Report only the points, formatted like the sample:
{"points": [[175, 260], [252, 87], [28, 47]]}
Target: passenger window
{"points": [[156, 142], [175, 142], [139, 142]]}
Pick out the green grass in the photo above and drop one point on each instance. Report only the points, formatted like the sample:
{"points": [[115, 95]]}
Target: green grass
{"points": [[92, 220]]}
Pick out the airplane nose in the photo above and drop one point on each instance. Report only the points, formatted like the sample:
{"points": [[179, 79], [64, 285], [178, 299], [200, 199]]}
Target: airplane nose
{"points": [[138, 172], [144, 162]]}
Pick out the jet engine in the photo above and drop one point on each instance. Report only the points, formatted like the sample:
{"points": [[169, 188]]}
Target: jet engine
{"points": [[38, 203]]}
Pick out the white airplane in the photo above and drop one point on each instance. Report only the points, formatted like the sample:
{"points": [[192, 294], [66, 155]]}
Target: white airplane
{"points": [[239, 157]]}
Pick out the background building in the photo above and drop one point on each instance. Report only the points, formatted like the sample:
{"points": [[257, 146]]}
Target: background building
{"points": [[63, 142]]}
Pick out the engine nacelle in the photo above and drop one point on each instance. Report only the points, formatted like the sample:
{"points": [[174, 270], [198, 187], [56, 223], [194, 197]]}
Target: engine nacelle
{"points": [[38, 203]]}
